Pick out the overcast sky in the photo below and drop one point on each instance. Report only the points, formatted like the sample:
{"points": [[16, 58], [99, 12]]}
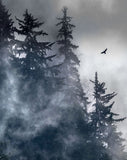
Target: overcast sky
{"points": [[99, 24]]}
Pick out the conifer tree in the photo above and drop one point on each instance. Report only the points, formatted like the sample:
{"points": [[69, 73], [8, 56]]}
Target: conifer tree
{"points": [[71, 61], [34, 62], [65, 38], [104, 121]]}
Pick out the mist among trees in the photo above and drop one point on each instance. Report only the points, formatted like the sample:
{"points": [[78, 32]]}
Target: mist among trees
{"points": [[45, 112]]}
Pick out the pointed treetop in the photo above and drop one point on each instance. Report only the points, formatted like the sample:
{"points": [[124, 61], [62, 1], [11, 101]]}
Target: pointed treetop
{"points": [[99, 87], [29, 24], [65, 10], [65, 37], [102, 99], [96, 78]]}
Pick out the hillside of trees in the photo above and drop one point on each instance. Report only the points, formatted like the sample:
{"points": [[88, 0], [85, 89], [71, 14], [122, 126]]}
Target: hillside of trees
{"points": [[44, 109]]}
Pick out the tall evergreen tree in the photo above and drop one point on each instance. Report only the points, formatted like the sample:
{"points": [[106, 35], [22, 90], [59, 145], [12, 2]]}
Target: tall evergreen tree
{"points": [[75, 97], [34, 62], [71, 62], [31, 54], [104, 121]]}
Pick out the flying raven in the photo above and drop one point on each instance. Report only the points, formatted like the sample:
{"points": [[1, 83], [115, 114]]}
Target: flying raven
{"points": [[104, 52]]}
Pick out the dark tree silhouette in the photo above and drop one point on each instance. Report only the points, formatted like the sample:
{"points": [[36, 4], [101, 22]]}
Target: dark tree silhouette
{"points": [[6, 36], [31, 55], [104, 121], [65, 37], [69, 68], [34, 62], [6, 27]]}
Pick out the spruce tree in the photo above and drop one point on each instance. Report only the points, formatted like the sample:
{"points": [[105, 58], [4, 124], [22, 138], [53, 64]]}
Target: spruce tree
{"points": [[65, 38], [104, 121], [34, 63], [71, 62], [75, 97]]}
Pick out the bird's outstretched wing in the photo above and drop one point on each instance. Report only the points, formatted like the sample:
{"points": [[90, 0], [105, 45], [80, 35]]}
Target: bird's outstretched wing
{"points": [[104, 52]]}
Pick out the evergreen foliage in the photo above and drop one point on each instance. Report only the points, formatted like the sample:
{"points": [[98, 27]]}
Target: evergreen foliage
{"points": [[34, 63], [65, 38], [104, 121], [69, 68]]}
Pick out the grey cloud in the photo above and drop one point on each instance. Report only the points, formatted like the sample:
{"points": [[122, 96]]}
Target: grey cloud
{"points": [[92, 18]]}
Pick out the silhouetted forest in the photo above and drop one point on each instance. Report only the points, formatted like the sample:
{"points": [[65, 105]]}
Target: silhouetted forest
{"points": [[45, 113]]}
